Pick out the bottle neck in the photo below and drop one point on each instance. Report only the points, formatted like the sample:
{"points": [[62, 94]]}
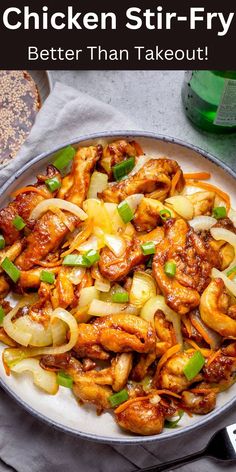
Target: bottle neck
{"points": [[228, 74]]}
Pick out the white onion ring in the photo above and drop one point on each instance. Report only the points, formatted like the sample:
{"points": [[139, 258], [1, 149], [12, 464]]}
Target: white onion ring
{"points": [[202, 223], [45, 205]]}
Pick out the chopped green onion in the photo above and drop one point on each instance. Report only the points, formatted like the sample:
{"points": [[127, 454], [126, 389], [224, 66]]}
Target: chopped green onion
{"points": [[2, 242], [18, 222], [10, 269], [231, 271], [118, 398], [148, 248], [125, 212], [92, 256], [194, 365], [219, 212], [165, 214], [2, 314], [53, 184], [174, 423], [64, 379], [170, 269], [149, 263], [47, 277], [64, 157], [120, 297], [123, 168], [76, 260]]}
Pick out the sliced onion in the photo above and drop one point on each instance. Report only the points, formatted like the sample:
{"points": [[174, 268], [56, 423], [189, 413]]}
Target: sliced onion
{"points": [[141, 161], [76, 275], [158, 303], [116, 221], [20, 336], [91, 243], [143, 288], [103, 285], [214, 338], [134, 201], [202, 223], [87, 295], [182, 205], [222, 234], [44, 379], [96, 210], [58, 329], [100, 308], [39, 335], [116, 244], [98, 183], [45, 205], [230, 285], [232, 216], [69, 319]]}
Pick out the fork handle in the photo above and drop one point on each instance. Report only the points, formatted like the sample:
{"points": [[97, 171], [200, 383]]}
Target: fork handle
{"points": [[175, 463]]}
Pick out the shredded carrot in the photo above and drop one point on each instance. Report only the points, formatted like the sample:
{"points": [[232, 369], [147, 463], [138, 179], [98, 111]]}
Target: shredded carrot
{"points": [[137, 148], [81, 237], [167, 392], [204, 390], [213, 357], [212, 188], [201, 330], [175, 181], [198, 176], [169, 353], [129, 402], [204, 352], [30, 188], [187, 323], [63, 218]]}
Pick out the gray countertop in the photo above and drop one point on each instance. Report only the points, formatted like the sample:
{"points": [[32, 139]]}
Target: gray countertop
{"points": [[152, 100]]}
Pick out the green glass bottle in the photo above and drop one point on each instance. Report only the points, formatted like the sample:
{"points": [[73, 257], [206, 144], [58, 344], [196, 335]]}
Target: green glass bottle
{"points": [[209, 99]]}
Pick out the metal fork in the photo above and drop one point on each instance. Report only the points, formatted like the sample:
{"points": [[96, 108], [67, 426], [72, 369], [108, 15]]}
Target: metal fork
{"points": [[222, 447]]}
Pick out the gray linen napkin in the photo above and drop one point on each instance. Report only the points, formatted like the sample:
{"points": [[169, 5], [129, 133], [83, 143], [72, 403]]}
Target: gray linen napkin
{"points": [[26, 445]]}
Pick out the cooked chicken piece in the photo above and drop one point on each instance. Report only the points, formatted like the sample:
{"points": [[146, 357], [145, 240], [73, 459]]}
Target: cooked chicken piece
{"points": [[117, 333], [203, 202], [63, 294], [121, 367], [114, 268], [4, 338], [165, 333], [194, 261], [116, 152], [221, 370], [153, 180], [31, 278], [144, 415], [23, 205], [215, 310], [47, 235], [171, 375], [4, 286], [199, 403], [147, 215], [225, 223], [89, 392], [76, 184], [141, 369]]}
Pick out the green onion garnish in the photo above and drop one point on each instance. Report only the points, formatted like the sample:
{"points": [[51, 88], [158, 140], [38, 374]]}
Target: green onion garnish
{"points": [[123, 168], [170, 269], [2, 242], [2, 314], [53, 184], [92, 256], [174, 423], [219, 212], [64, 157], [47, 277], [148, 248], [18, 222], [120, 297], [194, 365], [76, 260], [149, 263], [165, 214], [10, 269], [231, 271], [64, 379], [125, 212], [118, 398]]}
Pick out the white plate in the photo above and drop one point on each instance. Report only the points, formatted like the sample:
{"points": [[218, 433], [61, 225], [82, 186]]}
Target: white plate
{"points": [[62, 410]]}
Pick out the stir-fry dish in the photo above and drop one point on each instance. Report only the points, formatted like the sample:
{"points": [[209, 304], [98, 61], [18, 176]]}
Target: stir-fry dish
{"points": [[118, 281]]}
